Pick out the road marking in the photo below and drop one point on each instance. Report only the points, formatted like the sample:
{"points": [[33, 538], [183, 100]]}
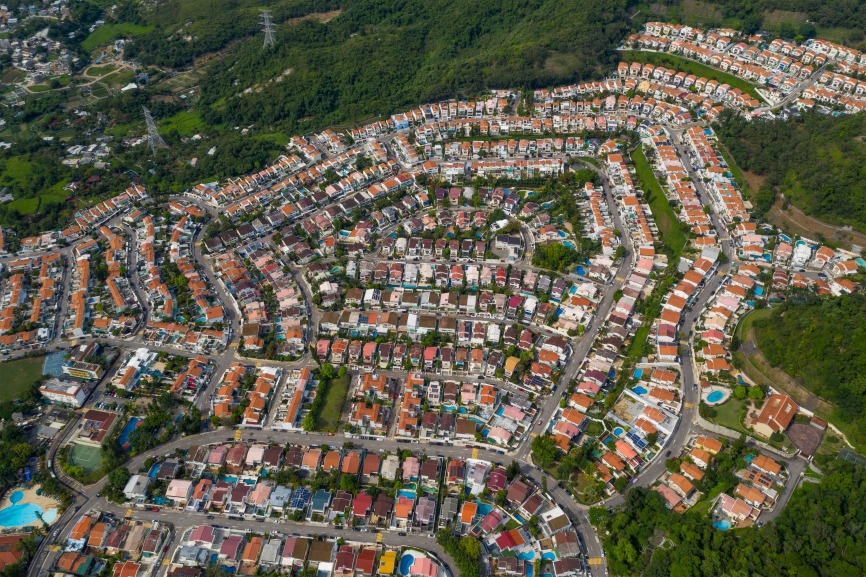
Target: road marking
{"points": [[690, 405], [596, 561], [237, 434], [474, 452], [379, 537], [166, 562]]}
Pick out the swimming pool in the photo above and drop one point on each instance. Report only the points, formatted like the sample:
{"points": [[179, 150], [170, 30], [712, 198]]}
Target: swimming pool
{"points": [[715, 396], [722, 525], [568, 244], [581, 271], [548, 556], [785, 237], [19, 514], [483, 508], [638, 373], [407, 494], [759, 290], [749, 458], [406, 563], [618, 431], [123, 439], [640, 390], [527, 555]]}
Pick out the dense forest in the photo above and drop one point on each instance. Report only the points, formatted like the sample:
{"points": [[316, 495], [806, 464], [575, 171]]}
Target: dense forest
{"points": [[822, 344], [379, 56], [817, 161], [820, 533]]}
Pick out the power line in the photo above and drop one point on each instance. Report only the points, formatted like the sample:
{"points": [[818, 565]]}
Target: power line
{"points": [[154, 140], [268, 28]]}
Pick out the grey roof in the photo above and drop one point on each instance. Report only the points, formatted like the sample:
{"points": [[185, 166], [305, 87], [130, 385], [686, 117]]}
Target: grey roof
{"points": [[280, 496]]}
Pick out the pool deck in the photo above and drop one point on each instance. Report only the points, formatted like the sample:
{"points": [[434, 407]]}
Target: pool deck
{"points": [[30, 496], [726, 394]]}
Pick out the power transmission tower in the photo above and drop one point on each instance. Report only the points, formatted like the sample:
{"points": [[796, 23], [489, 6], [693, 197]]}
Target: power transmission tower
{"points": [[154, 140], [268, 28]]}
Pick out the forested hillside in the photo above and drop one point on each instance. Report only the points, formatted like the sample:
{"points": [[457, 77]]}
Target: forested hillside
{"points": [[822, 343], [817, 161], [377, 56], [820, 533]]}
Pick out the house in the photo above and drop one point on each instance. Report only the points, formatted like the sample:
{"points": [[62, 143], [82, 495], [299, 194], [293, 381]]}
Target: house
{"points": [[777, 413]]}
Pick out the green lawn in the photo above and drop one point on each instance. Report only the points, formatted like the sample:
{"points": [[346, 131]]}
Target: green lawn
{"points": [[17, 376], [332, 409], [730, 414], [109, 32], [666, 220], [689, 67]]}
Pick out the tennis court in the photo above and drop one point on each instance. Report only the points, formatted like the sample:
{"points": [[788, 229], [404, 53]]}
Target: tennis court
{"points": [[87, 457]]}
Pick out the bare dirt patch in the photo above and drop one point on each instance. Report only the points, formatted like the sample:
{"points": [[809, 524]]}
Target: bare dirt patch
{"points": [[323, 17]]}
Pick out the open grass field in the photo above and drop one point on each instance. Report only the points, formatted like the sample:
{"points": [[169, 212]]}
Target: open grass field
{"points": [[332, 409], [25, 206], [110, 32], [17, 376], [673, 236], [186, 123], [88, 458], [689, 66]]}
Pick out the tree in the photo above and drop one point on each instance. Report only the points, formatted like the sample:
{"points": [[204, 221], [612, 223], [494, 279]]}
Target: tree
{"points": [[740, 392], [513, 470], [326, 371], [544, 451], [756, 393]]}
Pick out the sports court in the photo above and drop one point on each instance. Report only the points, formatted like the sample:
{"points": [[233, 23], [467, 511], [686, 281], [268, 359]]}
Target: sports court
{"points": [[87, 457]]}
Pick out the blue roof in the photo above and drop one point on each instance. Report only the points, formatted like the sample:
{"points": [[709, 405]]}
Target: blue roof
{"points": [[321, 500]]}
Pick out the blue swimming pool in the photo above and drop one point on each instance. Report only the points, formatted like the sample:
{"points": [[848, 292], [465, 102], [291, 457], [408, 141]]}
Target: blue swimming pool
{"points": [[759, 290], [638, 373], [483, 508], [581, 271], [749, 458], [19, 514], [123, 439], [529, 570], [406, 493], [785, 237], [548, 556], [640, 390], [618, 431], [406, 563], [723, 525], [715, 396], [569, 244], [527, 555]]}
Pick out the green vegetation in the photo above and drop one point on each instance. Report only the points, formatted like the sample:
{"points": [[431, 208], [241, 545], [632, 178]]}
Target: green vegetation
{"points": [[327, 407], [823, 520], [19, 376], [673, 237], [86, 458], [117, 480], [689, 67], [377, 56], [555, 256], [16, 452], [185, 123], [822, 344], [815, 161], [110, 32], [465, 551]]}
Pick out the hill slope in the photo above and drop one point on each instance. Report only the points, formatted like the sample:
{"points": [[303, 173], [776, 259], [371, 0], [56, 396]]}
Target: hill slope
{"points": [[816, 161], [377, 56], [822, 344]]}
